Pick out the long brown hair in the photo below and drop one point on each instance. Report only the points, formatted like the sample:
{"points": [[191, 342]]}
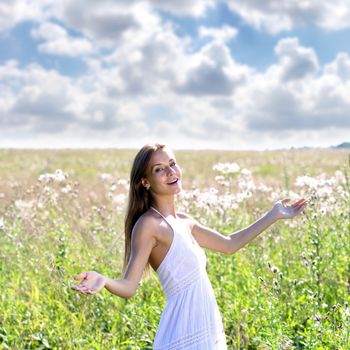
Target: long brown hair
{"points": [[140, 198]]}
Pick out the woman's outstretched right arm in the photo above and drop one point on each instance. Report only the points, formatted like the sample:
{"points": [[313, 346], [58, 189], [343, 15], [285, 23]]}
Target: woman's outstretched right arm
{"points": [[142, 242]]}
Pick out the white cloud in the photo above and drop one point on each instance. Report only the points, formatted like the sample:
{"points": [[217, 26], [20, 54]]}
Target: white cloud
{"points": [[36, 98], [340, 67], [212, 71], [307, 100], [16, 11], [148, 60], [135, 94], [58, 42], [223, 34], [153, 84], [183, 7], [276, 16], [106, 21], [297, 62]]}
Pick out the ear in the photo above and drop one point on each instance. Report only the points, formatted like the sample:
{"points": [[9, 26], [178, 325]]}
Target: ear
{"points": [[145, 184]]}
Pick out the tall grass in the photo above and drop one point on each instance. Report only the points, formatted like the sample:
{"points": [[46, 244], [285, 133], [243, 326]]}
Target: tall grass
{"points": [[288, 289]]}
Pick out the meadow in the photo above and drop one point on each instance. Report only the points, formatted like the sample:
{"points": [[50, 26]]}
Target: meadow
{"points": [[62, 211]]}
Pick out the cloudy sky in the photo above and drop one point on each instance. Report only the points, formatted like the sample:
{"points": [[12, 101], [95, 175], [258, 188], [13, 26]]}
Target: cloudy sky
{"points": [[195, 74]]}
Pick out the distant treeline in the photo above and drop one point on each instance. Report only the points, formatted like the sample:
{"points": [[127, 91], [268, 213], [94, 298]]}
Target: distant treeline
{"points": [[343, 145]]}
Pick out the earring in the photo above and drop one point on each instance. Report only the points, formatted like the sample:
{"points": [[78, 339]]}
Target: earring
{"points": [[147, 187]]}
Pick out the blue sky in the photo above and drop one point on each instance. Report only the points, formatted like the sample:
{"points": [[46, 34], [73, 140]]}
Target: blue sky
{"points": [[199, 74]]}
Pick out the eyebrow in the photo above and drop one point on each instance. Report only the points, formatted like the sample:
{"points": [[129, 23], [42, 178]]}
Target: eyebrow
{"points": [[170, 160]]}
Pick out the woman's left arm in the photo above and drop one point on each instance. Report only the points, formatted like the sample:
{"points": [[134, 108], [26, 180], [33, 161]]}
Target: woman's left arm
{"points": [[211, 239]]}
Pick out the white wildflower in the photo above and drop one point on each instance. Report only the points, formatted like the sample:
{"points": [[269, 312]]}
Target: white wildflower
{"points": [[246, 185], [106, 177], [123, 182], [226, 168], [274, 269], [57, 176], [119, 199], [241, 196], [339, 176], [246, 172], [24, 207], [325, 191], [219, 178], [213, 190], [66, 189], [324, 210], [306, 181], [263, 188], [2, 224]]}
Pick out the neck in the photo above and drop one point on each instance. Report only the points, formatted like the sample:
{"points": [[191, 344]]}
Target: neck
{"points": [[165, 207]]}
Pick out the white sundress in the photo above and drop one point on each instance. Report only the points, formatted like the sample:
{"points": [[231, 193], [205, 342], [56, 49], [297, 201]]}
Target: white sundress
{"points": [[191, 319]]}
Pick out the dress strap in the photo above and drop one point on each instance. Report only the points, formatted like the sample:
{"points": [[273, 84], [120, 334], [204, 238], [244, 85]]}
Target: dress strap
{"points": [[159, 213], [164, 218]]}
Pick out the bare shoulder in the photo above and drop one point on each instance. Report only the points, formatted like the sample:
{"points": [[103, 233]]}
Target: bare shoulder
{"points": [[148, 225]]}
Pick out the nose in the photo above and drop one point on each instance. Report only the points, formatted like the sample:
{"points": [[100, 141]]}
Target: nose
{"points": [[169, 170]]}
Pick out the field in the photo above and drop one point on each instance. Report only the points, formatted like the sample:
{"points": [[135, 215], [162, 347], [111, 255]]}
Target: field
{"points": [[61, 212]]}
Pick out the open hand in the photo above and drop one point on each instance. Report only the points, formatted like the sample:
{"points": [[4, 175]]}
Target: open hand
{"points": [[283, 211], [91, 282]]}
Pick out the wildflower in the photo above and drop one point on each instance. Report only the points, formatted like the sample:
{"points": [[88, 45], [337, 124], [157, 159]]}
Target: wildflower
{"points": [[262, 188], [246, 185], [324, 210], [1, 223], [57, 176], [274, 269], [246, 172], [119, 199], [66, 189], [106, 177], [318, 318], [219, 178], [248, 194], [306, 181], [124, 183], [226, 168], [288, 344], [24, 207]]}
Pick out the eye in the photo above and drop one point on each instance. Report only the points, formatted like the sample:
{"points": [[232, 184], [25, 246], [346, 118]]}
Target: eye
{"points": [[173, 163], [157, 170]]}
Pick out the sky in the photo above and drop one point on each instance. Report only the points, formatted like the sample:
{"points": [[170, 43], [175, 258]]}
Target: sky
{"points": [[192, 74]]}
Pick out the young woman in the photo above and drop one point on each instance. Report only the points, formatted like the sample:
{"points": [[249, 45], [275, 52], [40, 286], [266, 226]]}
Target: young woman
{"points": [[171, 243]]}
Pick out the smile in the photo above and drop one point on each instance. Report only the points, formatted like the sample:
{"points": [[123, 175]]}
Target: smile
{"points": [[173, 182]]}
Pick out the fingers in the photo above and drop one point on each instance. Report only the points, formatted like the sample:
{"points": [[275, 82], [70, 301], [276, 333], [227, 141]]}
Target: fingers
{"points": [[81, 276], [81, 288], [299, 203], [84, 289], [285, 201]]}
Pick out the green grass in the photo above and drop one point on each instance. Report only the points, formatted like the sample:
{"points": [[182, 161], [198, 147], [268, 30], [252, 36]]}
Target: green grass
{"points": [[304, 304]]}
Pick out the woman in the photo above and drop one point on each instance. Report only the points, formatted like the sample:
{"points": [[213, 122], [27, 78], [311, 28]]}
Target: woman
{"points": [[171, 243]]}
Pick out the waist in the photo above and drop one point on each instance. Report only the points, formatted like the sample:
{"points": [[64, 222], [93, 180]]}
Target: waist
{"points": [[176, 285]]}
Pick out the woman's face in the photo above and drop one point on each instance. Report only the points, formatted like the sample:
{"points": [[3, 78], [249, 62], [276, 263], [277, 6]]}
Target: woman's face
{"points": [[163, 174]]}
